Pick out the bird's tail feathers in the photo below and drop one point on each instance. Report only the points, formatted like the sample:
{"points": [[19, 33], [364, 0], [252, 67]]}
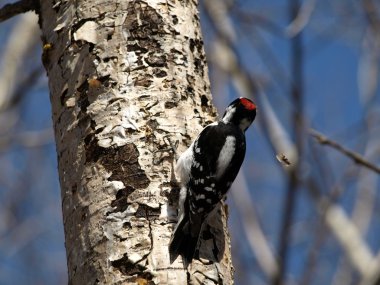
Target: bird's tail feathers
{"points": [[184, 242]]}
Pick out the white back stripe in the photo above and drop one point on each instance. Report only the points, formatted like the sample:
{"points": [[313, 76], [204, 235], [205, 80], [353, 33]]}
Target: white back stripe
{"points": [[225, 156]]}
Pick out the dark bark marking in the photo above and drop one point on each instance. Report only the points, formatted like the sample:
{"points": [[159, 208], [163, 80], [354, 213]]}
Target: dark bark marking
{"points": [[125, 266], [143, 81], [198, 64], [122, 162], [136, 48], [170, 104], [151, 21], [156, 60], [159, 73], [63, 96], [83, 102], [149, 213], [146, 28], [196, 47], [204, 101], [74, 189], [175, 19], [190, 90], [153, 124], [93, 151], [121, 202]]}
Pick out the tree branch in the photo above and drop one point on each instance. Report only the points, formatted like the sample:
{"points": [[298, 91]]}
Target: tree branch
{"points": [[252, 228], [19, 7], [346, 233], [357, 158]]}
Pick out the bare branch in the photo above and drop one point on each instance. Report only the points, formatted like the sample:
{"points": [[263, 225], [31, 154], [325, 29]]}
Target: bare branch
{"points": [[357, 158], [370, 9], [13, 9], [23, 37], [27, 139], [302, 18], [346, 233], [349, 238], [374, 278], [252, 228]]}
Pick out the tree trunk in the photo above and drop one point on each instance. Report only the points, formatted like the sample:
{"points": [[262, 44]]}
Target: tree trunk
{"points": [[128, 82]]}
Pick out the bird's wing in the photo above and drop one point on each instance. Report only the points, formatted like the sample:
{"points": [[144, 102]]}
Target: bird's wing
{"points": [[217, 148]]}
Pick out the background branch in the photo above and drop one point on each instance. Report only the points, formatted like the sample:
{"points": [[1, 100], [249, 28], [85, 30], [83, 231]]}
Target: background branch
{"points": [[10, 10], [353, 155]]}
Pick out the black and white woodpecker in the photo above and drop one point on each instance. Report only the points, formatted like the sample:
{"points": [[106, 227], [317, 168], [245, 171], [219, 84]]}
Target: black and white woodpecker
{"points": [[206, 171]]}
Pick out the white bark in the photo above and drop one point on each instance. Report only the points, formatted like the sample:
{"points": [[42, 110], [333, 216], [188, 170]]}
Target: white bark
{"points": [[128, 80]]}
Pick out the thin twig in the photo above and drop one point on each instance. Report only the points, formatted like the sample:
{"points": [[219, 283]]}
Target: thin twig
{"points": [[19, 7], [357, 158], [251, 20], [302, 18], [370, 9], [27, 139]]}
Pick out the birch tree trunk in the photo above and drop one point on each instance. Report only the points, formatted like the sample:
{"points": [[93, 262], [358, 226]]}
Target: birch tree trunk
{"points": [[128, 81]]}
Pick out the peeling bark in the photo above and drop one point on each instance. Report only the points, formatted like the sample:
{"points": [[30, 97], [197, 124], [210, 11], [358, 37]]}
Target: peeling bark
{"points": [[128, 80]]}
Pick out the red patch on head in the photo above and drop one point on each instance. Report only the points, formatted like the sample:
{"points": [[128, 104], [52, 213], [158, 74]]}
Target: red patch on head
{"points": [[248, 104]]}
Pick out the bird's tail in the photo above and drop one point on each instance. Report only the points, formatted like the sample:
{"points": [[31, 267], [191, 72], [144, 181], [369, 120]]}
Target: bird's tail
{"points": [[184, 241]]}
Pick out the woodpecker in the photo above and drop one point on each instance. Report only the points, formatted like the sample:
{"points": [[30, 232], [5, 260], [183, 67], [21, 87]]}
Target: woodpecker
{"points": [[206, 171]]}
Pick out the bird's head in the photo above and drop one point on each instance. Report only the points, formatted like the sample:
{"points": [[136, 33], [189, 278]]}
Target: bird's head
{"points": [[241, 112]]}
